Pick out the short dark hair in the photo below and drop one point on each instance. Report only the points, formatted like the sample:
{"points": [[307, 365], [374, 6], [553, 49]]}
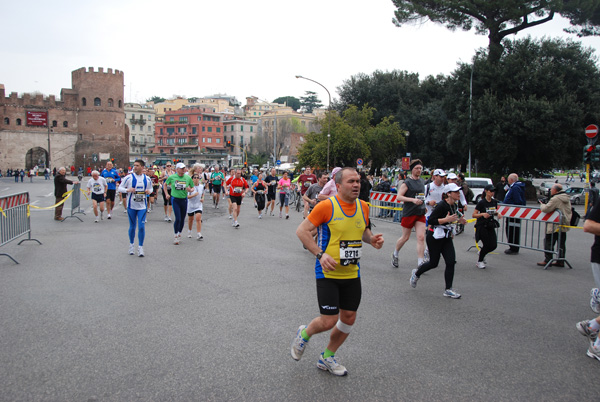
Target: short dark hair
{"points": [[141, 162], [340, 174]]}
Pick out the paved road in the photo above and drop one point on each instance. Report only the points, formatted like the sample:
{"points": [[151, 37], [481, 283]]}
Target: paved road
{"points": [[213, 320]]}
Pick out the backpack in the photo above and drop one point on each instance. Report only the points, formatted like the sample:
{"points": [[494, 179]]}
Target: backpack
{"points": [[574, 218]]}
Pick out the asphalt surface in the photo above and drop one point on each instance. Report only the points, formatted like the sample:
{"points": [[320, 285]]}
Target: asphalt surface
{"points": [[81, 320]]}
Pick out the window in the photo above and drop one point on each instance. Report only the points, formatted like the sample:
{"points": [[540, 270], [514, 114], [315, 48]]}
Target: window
{"points": [[170, 130], [119, 104], [149, 129], [83, 102], [160, 142], [161, 131], [133, 138], [54, 123], [181, 141], [19, 122], [149, 117], [203, 129], [110, 102], [241, 140], [194, 130], [199, 118], [65, 123], [218, 129], [251, 129], [170, 141], [210, 129], [171, 119], [232, 139], [254, 113], [6, 121], [182, 130], [183, 119], [209, 140], [133, 116], [203, 139], [241, 128], [218, 141], [133, 128], [97, 102]]}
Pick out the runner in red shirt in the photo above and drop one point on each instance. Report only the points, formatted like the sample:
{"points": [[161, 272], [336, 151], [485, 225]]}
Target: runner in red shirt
{"points": [[237, 187], [306, 180]]}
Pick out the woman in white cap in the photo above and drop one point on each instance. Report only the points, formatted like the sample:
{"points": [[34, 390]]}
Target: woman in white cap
{"points": [[180, 184], [485, 212], [439, 239]]}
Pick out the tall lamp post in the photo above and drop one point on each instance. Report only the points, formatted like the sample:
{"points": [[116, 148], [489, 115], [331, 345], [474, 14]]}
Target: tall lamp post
{"points": [[328, 116]]}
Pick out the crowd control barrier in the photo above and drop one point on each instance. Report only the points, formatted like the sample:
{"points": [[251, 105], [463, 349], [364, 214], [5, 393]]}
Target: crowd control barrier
{"points": [[75, 203], [529, 225], [383, 206], [15, 220]]}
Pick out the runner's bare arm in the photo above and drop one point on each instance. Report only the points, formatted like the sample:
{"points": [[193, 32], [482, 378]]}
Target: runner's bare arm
{"points": [[304, 234], [374, 240]]}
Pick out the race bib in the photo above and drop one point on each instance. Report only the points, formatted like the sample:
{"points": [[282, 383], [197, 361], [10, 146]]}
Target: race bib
{"points": [[350, 251], [307, 184], [139, 196], [237, 189], [260, 192], [273, 183], [492, 211], [179, 185], [420, 196]]}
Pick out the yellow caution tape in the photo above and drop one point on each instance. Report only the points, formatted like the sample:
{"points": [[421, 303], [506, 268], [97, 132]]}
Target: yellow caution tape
{"points": [[2, 212], [66, 195], [382, 207]]}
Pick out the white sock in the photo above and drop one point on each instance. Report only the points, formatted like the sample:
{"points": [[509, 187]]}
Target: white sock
{"points": [[419, 261], [396, 253], [594, 325], [597, 343]]}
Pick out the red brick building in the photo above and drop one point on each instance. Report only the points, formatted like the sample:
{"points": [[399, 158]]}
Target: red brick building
{"points": [[192, 134]]}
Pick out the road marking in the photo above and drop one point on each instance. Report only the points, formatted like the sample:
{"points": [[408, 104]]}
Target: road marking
{"points": [[49, 194]]}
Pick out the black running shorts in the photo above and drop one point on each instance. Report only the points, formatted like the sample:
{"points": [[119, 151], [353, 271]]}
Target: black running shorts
{"points": [[338, 294]]}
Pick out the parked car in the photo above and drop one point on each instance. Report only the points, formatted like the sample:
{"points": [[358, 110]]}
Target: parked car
{"points": [[577, 195], [477, 184]]}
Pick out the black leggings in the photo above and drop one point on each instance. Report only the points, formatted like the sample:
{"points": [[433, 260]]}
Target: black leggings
{"points": [[488, 238], [440, 247]]}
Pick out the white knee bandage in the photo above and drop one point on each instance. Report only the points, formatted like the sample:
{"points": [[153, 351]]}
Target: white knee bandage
{"points": [[345, 328]]}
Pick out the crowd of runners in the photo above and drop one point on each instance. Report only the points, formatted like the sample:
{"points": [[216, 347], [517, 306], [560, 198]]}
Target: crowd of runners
{"points": [[336, 224]]}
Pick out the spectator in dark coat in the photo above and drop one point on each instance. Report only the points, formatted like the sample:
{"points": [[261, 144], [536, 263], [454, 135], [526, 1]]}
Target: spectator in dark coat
{"points": [[60, 187], [514, 196]]}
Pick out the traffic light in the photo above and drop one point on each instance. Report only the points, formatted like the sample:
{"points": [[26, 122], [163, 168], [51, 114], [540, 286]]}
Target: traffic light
{"points": [[591, 154]]}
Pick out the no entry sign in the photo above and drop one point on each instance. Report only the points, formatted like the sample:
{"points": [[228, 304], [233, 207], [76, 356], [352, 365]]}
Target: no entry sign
{"points": [[591, 131]]}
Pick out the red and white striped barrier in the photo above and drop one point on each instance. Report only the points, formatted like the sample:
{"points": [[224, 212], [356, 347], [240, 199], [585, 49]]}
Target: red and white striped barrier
{"points": [[534, 214], [384, 197], [12, 201]]}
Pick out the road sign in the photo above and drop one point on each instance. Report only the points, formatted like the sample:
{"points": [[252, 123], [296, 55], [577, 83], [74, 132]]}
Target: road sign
{"points": [[359, 161], [95, 157], [278, 162], [405, 163], [591, 131]]}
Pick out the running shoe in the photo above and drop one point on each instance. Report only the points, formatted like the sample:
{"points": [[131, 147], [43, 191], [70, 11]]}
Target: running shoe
{"points": [[237, 225], [287, 216], [176, 241], [594, 352], [230, 216], [140, 251], [166, 218], [280, 215], [451, 293], [189, 234], [169, 219], [298, 344], [199, 237], [414, 278], [260, 216], [108, 217], [96, 220], [584, 329], [595, 300], [131, 249], [124, 211], [331, 365], [480, 264], [394, 261], [217, 206]]}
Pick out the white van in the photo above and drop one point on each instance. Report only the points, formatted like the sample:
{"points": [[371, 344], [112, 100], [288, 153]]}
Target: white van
{"points": [[477, 184]]}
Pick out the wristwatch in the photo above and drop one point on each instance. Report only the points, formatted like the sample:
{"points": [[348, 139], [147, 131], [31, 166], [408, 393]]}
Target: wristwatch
{"points": [[319, 255]]}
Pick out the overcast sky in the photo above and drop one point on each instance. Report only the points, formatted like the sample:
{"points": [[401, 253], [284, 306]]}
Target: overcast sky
{"points": [[234, 47]]}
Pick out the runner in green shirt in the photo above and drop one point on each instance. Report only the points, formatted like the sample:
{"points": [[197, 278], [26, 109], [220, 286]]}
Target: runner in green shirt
{"points": [[216, 178], [180, 183]]}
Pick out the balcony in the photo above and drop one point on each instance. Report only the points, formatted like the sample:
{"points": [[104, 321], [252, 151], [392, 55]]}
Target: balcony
{"points": [[140, 121]]}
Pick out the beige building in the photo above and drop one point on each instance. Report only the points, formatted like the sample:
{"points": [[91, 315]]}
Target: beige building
{"points": [[239, 135], [218, 105], [140, 119]]}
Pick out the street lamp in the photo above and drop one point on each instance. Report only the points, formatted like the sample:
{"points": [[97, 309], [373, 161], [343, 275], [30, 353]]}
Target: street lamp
{"points": [[328, 116]]}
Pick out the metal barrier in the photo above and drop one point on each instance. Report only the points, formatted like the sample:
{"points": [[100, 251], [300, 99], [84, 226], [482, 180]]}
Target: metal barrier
{"points": [[383, 206], [14, 220], [529, 227], [75, 203]]}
